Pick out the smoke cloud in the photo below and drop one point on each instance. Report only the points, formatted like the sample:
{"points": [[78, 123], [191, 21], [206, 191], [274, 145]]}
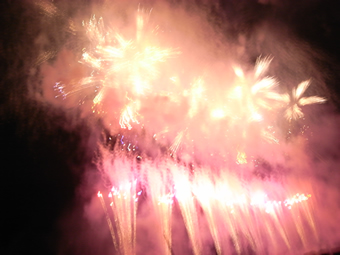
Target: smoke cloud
{"points": [[188, 101]]}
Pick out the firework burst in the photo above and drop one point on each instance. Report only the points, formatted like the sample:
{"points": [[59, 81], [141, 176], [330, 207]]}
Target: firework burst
{"points": [[207, 135], [117, 63], [294, 110]]}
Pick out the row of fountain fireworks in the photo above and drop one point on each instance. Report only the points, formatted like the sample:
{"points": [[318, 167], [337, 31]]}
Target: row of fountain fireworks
{"points": [[240, 218]]}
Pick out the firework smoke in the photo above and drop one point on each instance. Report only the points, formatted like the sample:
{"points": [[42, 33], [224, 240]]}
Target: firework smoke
{"points": [[210, 131]]}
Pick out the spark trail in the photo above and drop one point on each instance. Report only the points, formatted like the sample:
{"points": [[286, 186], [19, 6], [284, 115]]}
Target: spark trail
{"points": [[248, 217]]}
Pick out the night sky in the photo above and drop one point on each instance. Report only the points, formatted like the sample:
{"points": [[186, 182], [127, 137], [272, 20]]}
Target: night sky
{"points": [[48, 152]]}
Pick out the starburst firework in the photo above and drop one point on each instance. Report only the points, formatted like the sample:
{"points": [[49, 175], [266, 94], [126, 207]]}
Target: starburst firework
{"points": [[294, 110]]}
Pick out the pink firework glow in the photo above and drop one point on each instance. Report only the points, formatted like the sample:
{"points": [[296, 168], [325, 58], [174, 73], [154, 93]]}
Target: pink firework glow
{"points": [[209, 143], [263, 215]]}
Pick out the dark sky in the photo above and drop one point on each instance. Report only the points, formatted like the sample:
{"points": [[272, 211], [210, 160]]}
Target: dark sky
{"points": [[46, 150]]}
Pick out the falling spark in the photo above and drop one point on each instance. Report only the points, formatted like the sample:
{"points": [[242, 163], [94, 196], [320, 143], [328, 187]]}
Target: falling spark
{"points": [[162, 198], [128, 115], [176, 144], [124, 208], [109, 222]]}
